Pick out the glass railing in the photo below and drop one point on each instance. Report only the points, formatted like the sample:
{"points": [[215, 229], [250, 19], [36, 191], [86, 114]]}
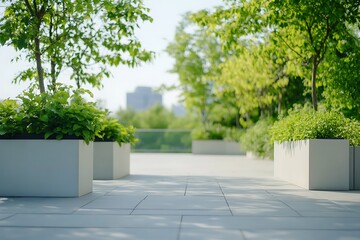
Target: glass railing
{"points": [[163, 141]]}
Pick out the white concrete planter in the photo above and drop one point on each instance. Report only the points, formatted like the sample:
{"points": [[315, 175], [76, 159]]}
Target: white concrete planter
{"points": [[216, 147], [111, 161], [316, 164], [354, 168], [45, 168]]}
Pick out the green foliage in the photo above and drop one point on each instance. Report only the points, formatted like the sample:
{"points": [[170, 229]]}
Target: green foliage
{"points": [[112, 130], [75, 35], [212, 132], [341, 76], [64, 114], [306, 31], [10, 116], [197, 57], [351, 131], [156, 117], [258, 140], [309, 124]]}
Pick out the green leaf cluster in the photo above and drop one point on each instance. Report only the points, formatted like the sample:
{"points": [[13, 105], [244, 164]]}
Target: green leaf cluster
{"points": [[309, 124], [60, 115], [64, 114], [258, 140], [112, 130], [10, 116], [83, 37]]}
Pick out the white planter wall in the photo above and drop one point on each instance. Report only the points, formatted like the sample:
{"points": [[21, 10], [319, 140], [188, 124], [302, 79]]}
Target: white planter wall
{"points": [[354, 168], [111, 161], [45, 168], [316, 164], [216, 147]]}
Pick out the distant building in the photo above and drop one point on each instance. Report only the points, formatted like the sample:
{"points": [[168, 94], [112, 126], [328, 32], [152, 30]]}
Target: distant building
{"points": [[142, 99]]}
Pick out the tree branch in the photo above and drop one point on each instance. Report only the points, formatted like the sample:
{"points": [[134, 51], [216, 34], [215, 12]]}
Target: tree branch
{"points": [[29, 7], [291, 48]]}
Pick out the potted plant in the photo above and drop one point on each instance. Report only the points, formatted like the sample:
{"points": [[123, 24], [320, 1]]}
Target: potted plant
{"points": [[212, 140], [112, 150], [46, 144], [311, 149]]}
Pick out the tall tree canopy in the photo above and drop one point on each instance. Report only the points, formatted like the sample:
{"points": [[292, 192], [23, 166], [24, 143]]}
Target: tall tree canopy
{"points": [[307, 28], [197, 57], [85, 37]]}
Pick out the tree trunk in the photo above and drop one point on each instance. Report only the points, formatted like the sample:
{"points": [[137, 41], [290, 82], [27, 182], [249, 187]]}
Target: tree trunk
{"points": [[315, 65], [39, 68]]}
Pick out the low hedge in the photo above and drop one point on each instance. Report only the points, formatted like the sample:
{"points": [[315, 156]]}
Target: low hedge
{"points": [[309, 124]]}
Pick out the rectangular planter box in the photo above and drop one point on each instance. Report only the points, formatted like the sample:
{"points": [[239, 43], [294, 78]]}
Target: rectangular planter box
{"points": [[215, 147], [354, 168], [316, 164], [45, 168], [111, 161]]}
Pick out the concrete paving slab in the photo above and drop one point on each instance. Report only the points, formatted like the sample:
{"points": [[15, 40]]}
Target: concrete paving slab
{"points": [[183, 212], [88, 233], [302, 234], [315, 205], [271, 223], [124, 201], [265, 212], [184, 196], [91, 221], [183, 202], [211, 234], [329, 214], [95, 211], [3, 216]]}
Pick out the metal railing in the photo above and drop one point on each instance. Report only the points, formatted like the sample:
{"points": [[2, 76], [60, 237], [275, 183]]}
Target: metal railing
{"points": [[163, 141]]}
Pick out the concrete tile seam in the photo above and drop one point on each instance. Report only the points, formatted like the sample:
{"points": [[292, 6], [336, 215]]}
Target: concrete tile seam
{"points": [[290, 207], [91, 201], [227, 203], [186, 186], [180, 225], [12, 215], [138, 204]]}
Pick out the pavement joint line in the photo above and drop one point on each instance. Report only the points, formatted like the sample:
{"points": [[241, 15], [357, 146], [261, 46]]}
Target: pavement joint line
{"points": [[180, 226], [227, 203], [138, 204], [242, 234], [186, 186], [8, 217]]}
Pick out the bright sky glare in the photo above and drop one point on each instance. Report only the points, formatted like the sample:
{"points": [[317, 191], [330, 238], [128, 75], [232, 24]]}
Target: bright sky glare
{"points": [[154, 36]]}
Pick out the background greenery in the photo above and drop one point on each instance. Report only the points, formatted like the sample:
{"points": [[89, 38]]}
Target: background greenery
{"points": [[252, 71]]}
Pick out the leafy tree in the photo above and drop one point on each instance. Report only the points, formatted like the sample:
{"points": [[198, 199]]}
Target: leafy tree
{"points": [[342, 77], [85, 37], [197, 57], [306, 28], [157, 117], [128, 117]]}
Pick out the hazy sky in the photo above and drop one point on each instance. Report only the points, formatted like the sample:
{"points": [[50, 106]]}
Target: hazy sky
{"points": [[154, 36]]}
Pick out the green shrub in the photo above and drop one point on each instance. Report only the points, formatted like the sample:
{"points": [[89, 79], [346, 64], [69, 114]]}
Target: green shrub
{"points": [[112, 130], [309, 124], [351, 131], [10, 117], [257, 139], [212, 132], [62, 114], [233, 134]]}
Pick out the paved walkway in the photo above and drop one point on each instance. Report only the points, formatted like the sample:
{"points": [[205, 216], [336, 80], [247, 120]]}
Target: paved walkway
{"points": [[183, 197]]}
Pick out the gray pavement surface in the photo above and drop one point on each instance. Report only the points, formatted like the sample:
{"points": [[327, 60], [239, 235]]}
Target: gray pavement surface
{"points": [[187, 197]]}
